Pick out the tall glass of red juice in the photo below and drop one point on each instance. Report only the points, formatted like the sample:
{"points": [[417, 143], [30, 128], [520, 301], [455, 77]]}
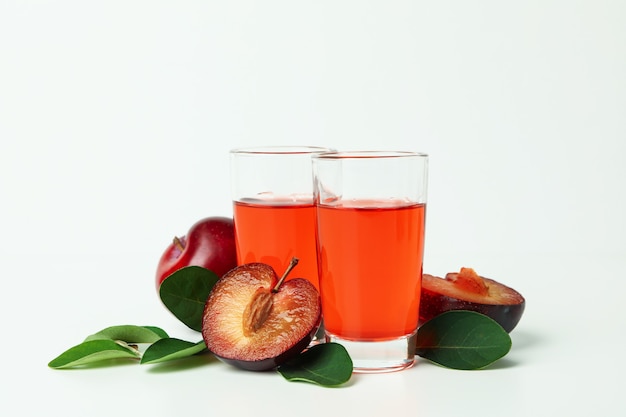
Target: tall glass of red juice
{"points": [[273, 208], [371, 211]]}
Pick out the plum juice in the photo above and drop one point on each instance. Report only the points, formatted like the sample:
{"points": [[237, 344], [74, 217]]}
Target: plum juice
{"points": [[362, 247], [273, 232]]}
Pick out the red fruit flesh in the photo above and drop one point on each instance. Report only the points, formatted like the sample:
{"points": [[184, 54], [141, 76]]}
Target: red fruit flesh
{"points": [[251, 327], [469, 281], [466, 290], [469, 286]]}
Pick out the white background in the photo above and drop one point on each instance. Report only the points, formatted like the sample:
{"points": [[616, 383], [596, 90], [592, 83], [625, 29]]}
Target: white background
{"points": [[116, 118]]}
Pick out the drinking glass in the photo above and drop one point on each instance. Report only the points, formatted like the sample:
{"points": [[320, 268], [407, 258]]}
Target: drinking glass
{"points": [[371, 211], [274, 212]]}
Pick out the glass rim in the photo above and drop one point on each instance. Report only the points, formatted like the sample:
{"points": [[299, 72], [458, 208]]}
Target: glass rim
{"points": [[280, 150], [369, 154]]}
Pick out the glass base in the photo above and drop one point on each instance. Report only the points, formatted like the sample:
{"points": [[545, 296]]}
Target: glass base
{"points": [[320, 335], [379, 356]]}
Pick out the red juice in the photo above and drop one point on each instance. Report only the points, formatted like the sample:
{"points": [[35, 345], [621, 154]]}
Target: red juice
{"points": [[370, 257], [275, 231]]}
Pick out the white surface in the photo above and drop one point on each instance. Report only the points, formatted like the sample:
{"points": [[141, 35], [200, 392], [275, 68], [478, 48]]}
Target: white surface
{"points": [[115, 123]]}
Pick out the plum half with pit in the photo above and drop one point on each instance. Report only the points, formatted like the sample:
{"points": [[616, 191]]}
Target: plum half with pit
{"points": [[255, 321], [466, 290]]}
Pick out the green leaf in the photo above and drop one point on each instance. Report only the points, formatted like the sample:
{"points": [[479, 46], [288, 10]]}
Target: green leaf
{"points": [[129, 334], [170, 349], [462, 339], [160, 332], [184, 293], [92, 351], [326, 364]]}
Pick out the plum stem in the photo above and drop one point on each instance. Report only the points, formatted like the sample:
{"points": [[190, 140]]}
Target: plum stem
{"points": [[178, 243], [292, 264]]}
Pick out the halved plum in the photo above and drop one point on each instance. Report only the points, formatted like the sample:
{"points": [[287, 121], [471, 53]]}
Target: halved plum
{"points": [[255, 321], [466, 290]]}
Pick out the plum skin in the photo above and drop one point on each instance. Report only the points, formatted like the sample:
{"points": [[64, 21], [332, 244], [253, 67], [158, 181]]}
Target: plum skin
{"points": [[271, 363], [433, 303], [209, 243]]}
